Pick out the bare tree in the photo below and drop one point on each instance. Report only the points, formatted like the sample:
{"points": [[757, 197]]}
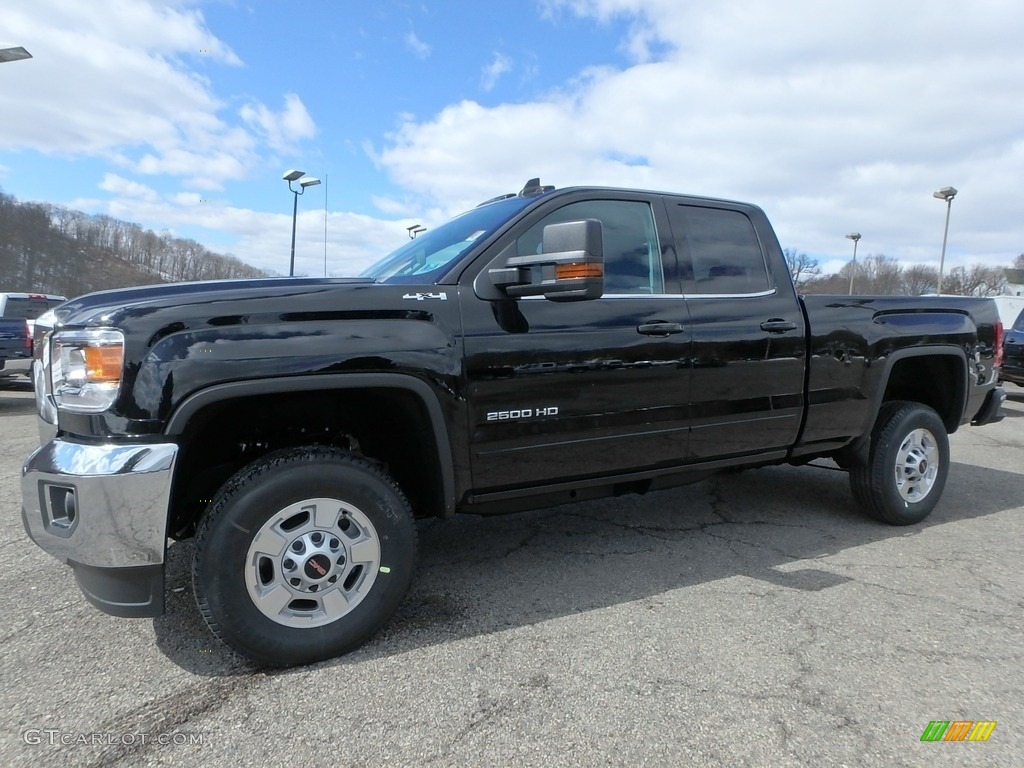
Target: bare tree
{"points": [[802, 268], [920, 279], [883, 275], [830, 284], [975, 280], [991, 280]]}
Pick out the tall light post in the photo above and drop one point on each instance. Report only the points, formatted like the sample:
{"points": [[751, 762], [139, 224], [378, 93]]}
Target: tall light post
{"points": [[855, 236], [947, 194], [304, 181]]}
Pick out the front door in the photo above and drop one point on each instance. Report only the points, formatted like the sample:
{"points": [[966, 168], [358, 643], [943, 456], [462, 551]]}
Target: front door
{"points": [[562, 391]]}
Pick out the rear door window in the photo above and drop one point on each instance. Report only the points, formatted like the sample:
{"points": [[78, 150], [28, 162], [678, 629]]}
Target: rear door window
{"points": [[725, 255]]}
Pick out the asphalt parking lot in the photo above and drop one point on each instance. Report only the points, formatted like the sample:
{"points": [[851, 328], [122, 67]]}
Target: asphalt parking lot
{"points": [[751, 620]]}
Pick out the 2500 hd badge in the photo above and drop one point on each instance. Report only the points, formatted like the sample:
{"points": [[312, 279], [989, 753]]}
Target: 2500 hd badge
{"points": [[522, 413]]}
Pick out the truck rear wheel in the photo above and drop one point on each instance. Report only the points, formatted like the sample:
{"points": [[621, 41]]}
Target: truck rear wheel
{"points": [[907, 465], [303, 555]]}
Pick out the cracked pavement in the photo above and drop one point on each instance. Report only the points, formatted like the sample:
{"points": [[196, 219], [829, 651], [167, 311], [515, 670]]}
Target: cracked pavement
{"points": [[752, 619]]}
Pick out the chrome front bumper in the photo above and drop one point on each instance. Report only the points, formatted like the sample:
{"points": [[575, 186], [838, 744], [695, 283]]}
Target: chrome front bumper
{"points": [[102, 509]]}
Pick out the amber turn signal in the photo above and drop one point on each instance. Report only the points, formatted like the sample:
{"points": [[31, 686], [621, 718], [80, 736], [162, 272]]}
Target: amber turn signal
{"points": [[569, 271], [103, 363]]}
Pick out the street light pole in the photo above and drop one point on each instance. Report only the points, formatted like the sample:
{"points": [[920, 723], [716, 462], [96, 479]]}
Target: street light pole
{"points": [[855, 236], [304, 181], [295, 216], [947, 194]]}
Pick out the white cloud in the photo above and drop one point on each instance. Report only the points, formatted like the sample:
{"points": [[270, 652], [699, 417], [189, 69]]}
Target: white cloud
{"points": [[261, 239], [391, 206], [118, 185], [833, 118], [500, 65], [110, 78], [419, 48], [100, 77], [281, 129]]}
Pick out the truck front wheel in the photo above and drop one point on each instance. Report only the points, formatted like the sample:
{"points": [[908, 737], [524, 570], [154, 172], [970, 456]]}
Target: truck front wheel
{"points": [[907, 465], [303, 555]]}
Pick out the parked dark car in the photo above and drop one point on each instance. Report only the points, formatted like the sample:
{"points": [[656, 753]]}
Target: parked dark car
{"points": [[1013, 352]]}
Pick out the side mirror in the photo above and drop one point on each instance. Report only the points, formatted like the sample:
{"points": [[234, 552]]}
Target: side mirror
{"points": [[571, 267]]}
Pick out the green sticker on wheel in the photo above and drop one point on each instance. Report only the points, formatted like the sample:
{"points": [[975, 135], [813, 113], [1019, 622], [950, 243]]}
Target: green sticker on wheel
{"points": [[385, 569]]}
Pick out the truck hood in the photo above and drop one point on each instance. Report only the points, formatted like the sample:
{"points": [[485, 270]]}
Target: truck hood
{"points": [[111, 308], [181, 338]]}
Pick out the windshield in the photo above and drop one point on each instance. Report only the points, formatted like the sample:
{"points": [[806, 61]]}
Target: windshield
{"points": [[423, 259]]}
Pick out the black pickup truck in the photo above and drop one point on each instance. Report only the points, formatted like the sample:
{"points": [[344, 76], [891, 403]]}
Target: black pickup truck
{"points": [[545, 347]]}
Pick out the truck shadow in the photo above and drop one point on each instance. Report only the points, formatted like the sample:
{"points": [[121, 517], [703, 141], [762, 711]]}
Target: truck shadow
{"points": [[17, 396], [482, 575]]}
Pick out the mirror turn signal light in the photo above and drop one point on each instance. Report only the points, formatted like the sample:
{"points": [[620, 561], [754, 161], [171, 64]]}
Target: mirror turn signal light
{"points": [[570, 271]]}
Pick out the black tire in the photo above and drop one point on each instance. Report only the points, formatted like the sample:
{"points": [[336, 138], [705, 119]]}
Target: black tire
{"points": [[907, 466], [330, 529]]}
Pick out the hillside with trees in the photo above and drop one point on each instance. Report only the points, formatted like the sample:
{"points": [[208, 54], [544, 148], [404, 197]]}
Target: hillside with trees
{"points": [[50, 249], [880, 275]]}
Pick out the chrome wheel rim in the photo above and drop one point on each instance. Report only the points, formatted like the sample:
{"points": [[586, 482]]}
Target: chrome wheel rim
{"points": [[312, 562], [917, 465]]}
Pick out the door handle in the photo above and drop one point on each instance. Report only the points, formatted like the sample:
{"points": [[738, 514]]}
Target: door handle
{"points": [[776, 325], [659, 328]]}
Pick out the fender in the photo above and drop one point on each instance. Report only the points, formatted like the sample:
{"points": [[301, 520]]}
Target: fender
{"points": [[860, 446], [282, 385]]}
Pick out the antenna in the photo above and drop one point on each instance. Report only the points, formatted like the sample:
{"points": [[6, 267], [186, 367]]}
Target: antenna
{"points": [[533, 187], [326, 176]]}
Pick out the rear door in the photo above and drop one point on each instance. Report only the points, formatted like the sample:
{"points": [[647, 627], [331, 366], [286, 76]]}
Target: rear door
{"points": [[562, 391], [748, 332]]}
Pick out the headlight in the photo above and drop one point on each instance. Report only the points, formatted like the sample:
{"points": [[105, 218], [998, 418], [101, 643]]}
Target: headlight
{"points": [[86, 368]]}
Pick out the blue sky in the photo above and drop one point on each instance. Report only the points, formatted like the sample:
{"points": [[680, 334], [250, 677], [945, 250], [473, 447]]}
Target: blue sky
{"points": [[833, 117]]}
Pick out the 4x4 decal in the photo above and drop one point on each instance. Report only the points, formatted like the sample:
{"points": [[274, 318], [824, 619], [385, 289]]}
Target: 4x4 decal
{"points": [[442, 296]]}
